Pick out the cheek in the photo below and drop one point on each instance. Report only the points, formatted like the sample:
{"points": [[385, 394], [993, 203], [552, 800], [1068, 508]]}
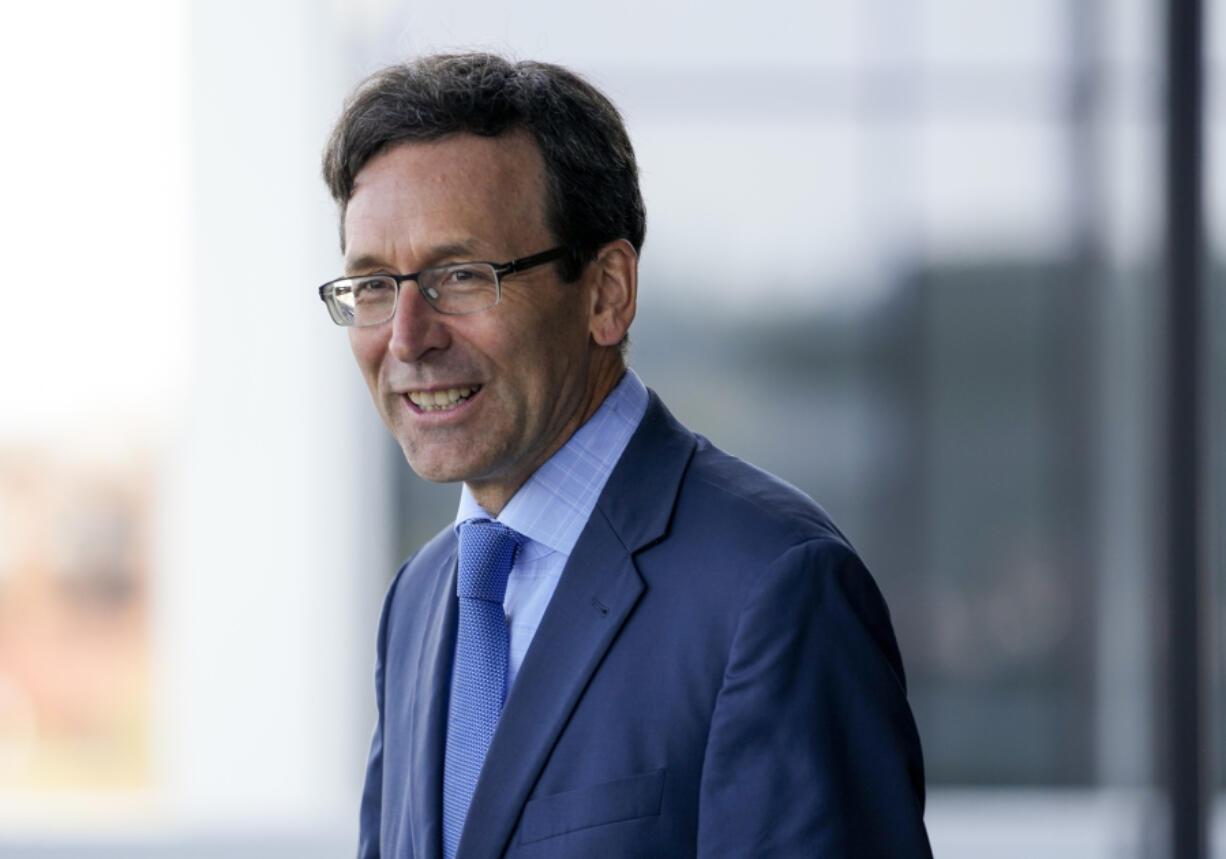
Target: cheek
{"points": [[366, 349], [368, 353]]}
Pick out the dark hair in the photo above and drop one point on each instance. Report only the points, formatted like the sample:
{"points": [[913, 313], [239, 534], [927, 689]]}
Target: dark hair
{"points": [[592, 177]]}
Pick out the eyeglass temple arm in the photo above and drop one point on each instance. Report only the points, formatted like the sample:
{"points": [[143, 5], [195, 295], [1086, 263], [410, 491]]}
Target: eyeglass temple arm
{"points": [[534, 260]]}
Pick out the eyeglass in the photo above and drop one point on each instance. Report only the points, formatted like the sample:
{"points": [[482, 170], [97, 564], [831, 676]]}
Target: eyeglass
{"points": [[456, 288]]}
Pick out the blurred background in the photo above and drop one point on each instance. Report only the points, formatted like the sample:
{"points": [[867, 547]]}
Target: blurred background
{"points": [[904, 253]]}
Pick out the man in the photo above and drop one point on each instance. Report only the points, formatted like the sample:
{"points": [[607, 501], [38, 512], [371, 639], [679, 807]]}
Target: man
{"points": [[688, 658]]}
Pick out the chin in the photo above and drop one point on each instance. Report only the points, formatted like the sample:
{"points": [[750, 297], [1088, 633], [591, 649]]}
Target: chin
{"points": [[429, 468], [428, 471]]}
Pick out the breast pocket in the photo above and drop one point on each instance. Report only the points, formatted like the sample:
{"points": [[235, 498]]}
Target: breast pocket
{"points": [[611, 802]]}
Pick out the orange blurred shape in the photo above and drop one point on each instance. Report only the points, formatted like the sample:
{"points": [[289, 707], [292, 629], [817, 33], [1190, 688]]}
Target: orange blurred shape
{"points": [[74, 638]]}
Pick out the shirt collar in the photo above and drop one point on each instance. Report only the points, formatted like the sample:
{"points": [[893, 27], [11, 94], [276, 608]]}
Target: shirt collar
{"points": [[553, 506]]}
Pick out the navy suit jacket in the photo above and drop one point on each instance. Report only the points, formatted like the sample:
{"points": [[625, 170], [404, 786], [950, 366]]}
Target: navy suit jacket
{"points": [[715, 675]]}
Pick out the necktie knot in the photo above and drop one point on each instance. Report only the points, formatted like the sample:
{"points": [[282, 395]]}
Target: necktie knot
{"points": [[487, 551]]}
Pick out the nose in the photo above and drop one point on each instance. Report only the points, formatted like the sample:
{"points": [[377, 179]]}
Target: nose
{"points": [[417, 328]]}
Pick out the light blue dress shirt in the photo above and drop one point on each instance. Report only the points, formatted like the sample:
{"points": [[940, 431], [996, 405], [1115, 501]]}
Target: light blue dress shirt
{"points": [[553, 506]]}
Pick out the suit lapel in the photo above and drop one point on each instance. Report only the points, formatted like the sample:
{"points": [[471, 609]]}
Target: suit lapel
{"points": [[598, 590], [429, 717], [592, 600]]}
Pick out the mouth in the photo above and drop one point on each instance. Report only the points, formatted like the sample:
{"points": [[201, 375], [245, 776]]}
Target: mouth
{"points": [[441, 400]]}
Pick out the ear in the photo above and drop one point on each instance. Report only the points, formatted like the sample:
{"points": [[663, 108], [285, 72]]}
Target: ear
{"points": [[615, 291]]}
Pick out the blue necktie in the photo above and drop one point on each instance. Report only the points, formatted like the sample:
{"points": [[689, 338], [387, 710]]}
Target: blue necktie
{"points": [[478, 682]]}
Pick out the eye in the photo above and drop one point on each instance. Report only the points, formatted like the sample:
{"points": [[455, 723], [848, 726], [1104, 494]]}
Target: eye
{"points": [[372, 288], [371, 284], [466, 275]]}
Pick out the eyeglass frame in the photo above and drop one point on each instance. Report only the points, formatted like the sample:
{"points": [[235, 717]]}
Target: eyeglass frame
{"points": [[326, 293]]}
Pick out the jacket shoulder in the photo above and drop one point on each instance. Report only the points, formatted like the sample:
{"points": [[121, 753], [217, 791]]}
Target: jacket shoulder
{"points": [[742, 503]]}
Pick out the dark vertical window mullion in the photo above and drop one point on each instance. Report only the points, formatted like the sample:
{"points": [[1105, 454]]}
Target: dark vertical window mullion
{"points": [[1186, 739]]}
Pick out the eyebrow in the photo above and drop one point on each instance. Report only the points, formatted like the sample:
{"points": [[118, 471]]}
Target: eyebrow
{"points": [[365, 262]]}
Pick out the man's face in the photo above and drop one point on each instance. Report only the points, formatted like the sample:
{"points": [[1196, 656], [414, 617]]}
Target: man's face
{"points": [[528, 366]]}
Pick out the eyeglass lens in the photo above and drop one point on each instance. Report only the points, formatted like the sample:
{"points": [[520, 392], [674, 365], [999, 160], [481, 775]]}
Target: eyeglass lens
{"points": [[464, 288]]}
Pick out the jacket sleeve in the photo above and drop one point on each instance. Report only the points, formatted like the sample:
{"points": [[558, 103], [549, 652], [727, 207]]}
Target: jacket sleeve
{"points": [[812, 749]]}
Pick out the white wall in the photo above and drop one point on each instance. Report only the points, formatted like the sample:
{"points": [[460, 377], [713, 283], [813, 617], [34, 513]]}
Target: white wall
{"points": [[276, 554]]}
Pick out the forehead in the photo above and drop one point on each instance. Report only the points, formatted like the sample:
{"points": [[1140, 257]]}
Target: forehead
{"points": [[462, 189]]}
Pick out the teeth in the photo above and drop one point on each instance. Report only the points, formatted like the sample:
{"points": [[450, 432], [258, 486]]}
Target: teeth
{"points": [[432, 401]]}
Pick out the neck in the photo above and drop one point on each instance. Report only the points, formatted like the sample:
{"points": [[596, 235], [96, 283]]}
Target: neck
{"points": [[494, 494]]}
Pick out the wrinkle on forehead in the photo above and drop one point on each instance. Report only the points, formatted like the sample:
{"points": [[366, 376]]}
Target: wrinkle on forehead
{"points": [[457, 251], [418, 201]]}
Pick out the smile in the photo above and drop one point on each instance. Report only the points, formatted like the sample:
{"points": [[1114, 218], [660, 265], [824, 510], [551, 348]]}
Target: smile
{"points": [[436, 401]]}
